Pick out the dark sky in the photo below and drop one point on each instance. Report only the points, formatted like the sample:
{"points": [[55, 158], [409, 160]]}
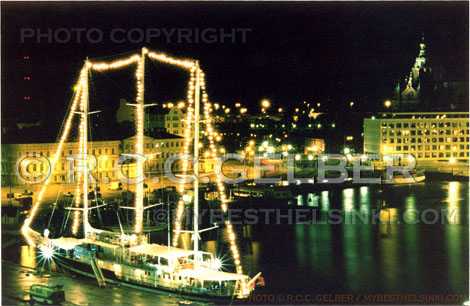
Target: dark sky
{"points": [[293, 52]]}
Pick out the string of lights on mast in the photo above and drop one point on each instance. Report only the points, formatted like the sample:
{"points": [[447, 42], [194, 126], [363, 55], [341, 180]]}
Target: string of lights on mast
{"points": [[81, 94]]}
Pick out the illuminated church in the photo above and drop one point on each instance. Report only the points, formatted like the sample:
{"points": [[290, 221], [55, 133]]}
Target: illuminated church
{"points": [[416, 86], [423, 90]]}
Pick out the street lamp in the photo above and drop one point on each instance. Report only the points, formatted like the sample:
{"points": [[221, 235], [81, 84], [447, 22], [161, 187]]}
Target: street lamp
{"points": [[265, 104], [388, 103]]}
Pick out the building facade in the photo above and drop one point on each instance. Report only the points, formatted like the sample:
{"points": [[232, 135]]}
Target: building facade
{"points": [[174, 122], [427, 136], [31, 162]]}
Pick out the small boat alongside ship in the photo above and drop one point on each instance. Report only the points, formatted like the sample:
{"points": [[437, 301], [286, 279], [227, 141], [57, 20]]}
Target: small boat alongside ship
{"points": [[262, 191], [406, 177]]}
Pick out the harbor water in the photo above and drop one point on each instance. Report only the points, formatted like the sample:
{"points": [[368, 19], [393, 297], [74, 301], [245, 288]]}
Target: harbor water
{"points": [[417, 243]]}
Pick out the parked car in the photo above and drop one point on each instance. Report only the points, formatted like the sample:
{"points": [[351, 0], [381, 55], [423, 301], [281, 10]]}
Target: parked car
{"points": [[47, 294], [25, 193]]}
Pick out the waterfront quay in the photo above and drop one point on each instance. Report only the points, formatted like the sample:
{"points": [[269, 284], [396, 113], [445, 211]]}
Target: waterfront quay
{"points": [[18, 277]]}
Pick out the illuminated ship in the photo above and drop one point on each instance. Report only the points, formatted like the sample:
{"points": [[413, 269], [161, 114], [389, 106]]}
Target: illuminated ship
{"points": [[129, 259]]}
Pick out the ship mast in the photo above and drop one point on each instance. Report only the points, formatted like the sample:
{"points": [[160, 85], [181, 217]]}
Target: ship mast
{"points": [[84, 152], [196, 164]]}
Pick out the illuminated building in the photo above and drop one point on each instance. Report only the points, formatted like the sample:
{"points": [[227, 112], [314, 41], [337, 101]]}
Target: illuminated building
{"points": [[427, 136], [106, 152]]}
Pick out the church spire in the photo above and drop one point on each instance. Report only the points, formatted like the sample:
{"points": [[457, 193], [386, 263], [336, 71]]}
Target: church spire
{"points": [[422, 46]]}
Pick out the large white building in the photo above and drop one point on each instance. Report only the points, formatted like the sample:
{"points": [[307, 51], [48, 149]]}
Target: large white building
{"points": [[432, 136]]}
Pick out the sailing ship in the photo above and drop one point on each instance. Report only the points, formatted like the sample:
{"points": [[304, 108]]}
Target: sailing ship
{"points": [[129, 259]]}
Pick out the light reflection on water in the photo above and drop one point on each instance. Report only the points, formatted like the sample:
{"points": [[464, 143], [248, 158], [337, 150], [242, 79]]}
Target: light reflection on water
{"points": [[381, 258], [357, 257], [28, 256]]}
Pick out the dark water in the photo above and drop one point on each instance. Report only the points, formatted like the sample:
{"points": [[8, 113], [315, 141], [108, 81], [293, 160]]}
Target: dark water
{"points": [[354, 256], [384, 258]]}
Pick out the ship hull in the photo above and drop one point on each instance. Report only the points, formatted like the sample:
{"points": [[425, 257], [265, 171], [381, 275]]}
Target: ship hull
{"points": [[84, 269]]}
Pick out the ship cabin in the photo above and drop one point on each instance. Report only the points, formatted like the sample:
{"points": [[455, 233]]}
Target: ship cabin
{"points": [[178, 266]]}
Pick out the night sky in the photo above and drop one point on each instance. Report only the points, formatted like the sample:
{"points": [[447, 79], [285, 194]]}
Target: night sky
{"points": [[293, 52]]}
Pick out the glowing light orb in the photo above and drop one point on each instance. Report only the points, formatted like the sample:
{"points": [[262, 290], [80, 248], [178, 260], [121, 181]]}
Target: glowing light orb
{"points": [[47, 252], [265, 103], [217, 264]]}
